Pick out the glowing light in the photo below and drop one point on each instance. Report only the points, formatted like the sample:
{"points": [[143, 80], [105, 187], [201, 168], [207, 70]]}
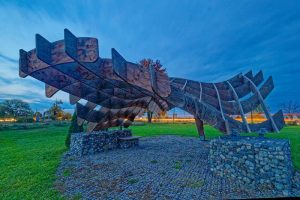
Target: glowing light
{"points": [[8, 120], [167, 120]]}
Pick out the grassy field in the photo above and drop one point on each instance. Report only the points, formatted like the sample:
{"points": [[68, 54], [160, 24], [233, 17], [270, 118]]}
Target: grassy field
{"points": [[189, 130], [29, 158]]}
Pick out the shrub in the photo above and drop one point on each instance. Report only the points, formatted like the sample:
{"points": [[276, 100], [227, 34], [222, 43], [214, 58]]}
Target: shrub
{"points": [[292, 123], [25, 120], [74, 128]]}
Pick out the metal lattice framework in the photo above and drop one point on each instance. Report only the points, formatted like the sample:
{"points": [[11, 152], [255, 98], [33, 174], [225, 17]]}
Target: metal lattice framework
{"points": [[123, 89]]}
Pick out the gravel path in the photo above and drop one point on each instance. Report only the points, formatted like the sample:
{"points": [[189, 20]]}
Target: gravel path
{"points": [[165, 167]]}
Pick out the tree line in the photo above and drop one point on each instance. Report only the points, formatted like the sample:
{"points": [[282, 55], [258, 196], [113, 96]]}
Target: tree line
{"points": [[22, 112]]}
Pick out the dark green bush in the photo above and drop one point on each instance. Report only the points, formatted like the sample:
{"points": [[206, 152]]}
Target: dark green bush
{"points": [[74, 128], [25, 120]]}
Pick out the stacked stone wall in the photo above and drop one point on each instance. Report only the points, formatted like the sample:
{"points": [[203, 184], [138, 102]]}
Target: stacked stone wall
{"points": [[255, 162], [95, 142]]}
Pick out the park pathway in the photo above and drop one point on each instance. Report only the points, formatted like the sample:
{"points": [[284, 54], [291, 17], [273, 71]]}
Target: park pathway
{"points": [[165, 167]]}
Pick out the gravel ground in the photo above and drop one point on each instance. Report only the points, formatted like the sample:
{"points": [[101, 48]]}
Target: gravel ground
{"points": [[165, 167]]}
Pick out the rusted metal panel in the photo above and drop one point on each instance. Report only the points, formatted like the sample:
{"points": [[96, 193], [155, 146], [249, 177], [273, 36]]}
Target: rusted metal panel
{"points": [[249, 74], [50, 90], [43, 49], [243, 90], [87, 114], [277, 118], [90, 105], [34, 64], [210, 100], [237, 80], [70, 43], [80, 121], [23, 63], [91, 126], [81, 49], [250, 104], [258, 78], [110, 116], [240, 107], [73, 99], [179, 80], [253, 102], [153, 78], [267, 88], [119, 64], [261, 100]]}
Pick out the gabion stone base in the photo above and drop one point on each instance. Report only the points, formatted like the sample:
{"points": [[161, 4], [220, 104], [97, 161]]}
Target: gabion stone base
{"points": [[95, 142], [264, 164], [129, 142]]}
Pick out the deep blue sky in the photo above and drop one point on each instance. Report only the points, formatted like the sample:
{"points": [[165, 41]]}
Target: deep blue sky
{"points": [[200, 40]]}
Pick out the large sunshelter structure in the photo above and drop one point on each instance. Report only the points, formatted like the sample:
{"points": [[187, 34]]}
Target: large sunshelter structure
{"points": [[124, 90]]}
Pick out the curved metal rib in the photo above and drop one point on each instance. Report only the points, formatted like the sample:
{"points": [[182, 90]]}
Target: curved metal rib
{"points": [[183, 88], [200, 87], [219, 100], [240, 107], [261, 100]]}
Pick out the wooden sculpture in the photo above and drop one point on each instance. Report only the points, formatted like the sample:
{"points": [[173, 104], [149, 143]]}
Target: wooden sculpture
{"points": [[124, 89]]}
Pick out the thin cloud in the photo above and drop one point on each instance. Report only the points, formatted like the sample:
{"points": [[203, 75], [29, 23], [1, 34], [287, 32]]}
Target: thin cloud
{"points": [[199, 40], [9, 59]]}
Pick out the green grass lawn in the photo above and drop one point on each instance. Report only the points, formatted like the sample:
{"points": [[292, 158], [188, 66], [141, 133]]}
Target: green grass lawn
{"points": [[29, 158], [173, 129]]}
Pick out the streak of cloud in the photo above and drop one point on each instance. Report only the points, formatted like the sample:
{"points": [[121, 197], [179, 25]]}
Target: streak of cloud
{"points": [[200, 40]]}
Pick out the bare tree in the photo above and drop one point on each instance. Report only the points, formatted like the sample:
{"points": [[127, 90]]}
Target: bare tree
{"points": [[290, 108], [56, 110]]}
